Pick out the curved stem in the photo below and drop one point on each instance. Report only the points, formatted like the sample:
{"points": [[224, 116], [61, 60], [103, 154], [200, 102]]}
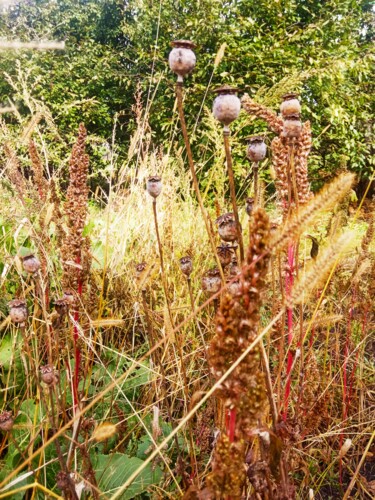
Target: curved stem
{"points": [[194, 175], [233, 191]]}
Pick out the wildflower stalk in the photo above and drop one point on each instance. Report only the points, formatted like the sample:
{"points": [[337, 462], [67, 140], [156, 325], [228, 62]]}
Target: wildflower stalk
{"points": [[179, 86], [232, 189]]}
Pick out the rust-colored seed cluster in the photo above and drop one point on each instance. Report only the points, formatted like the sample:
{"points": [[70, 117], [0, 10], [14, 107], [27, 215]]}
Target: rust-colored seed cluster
{"points": [[280, 165], [301, 154], [275, 123], [236, 328], [75, 246]]}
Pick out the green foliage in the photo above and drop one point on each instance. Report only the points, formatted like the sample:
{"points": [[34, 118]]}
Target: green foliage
{"points": [[112, 471], [322, 49]]}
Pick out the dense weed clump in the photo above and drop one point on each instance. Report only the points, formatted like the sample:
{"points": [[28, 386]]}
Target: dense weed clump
{"points": [[146, 352]]}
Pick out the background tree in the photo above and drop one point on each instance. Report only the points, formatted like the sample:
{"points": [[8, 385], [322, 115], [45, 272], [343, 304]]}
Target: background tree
{"points": [[322, 49]]}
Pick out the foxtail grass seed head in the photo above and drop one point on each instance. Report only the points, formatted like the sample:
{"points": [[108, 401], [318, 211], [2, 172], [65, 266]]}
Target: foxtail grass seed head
{"points": [[290, 105], [182, 58], [31, 264], [292, 126], [211, 281], [225, 253], [18, 311], [6, 421], [256, 148], [227, 105], [154, 186], [249, 206], [48, 375], [186, 265], [227, 227]]}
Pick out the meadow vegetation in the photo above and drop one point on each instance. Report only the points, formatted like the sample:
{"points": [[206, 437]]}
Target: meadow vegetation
{"points": [[142, 355]]}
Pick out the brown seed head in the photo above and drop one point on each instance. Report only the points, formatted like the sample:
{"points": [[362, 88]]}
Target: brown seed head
{"points": [[186, 265], [18, 311], [30, 264], [48, 375], [225, 253], [61, 306], [227, 227], [154, 186], [211, 281], [6, 421]]}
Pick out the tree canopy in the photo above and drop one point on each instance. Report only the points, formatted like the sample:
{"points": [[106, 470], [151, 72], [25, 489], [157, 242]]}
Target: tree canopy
{"points": [[322, 49]]}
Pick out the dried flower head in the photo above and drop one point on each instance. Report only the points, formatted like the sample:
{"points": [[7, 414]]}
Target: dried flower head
{"points": [[225, 252], [290, 105], [227, 227], [186, 265], [139, 269], [61, 306], [6, 421], [256, 149], [227, 105], [249, 206], [211, 281], [154, 186], [69, 297], [48, 375], [31, 264], [18, 311], [182, 58], [292, 126]]}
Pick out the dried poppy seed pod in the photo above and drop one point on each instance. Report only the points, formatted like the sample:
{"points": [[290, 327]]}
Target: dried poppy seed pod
{"points": [[224, 252], [182, 58], [186, 265], [139, 269], [290, 105], [61, 306], [154, 186], [249, 206], [256, 148], [211, 281], [234, 270], [18, 311], [68, 296], [227, 227], [227, 105], [6, 421], [31, 264], [48, 375], [292, 126]]}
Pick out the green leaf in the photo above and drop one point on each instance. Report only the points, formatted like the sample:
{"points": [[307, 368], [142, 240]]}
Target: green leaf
{"points": [[112, 471]]}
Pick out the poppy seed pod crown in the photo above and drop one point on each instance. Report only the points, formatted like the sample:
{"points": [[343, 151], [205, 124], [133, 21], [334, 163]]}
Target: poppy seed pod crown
{"points": [[182, 58], [290, 105], [154, 186], [227, 105], [256, 148], [186, 265], [292, 126]]}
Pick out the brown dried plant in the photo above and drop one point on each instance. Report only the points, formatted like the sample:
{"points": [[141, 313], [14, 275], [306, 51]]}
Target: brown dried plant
{"points": [[243, 393]]}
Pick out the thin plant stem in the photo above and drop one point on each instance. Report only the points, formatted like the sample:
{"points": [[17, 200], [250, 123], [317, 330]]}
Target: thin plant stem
{"points": [[256, 182], [194, 175], [233, 191]]}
